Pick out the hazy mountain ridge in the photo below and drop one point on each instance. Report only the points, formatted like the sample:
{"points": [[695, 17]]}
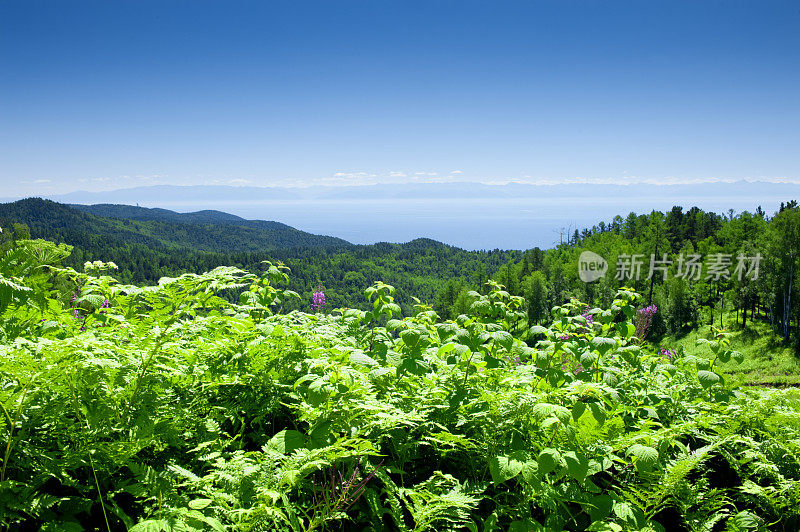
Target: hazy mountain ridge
{"points": [[131, 212], [467, 215], [159, 228], [449, 190], [207, 216]]}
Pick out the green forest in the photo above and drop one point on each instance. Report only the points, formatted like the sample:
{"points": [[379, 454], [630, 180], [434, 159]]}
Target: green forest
{"points": [[318, 385], [148, 244]]}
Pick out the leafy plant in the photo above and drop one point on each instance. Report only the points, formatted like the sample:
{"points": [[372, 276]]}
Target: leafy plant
{"points": [[170, 407]]}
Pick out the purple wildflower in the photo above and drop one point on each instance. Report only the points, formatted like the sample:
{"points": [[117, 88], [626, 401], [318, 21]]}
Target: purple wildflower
{"points": [[105, 304], [318, 300], [644, 319], [668, 353], [564, 337], [649, 310], [589, 322]]}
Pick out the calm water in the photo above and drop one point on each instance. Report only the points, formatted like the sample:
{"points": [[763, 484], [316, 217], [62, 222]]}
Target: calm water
{"points": [[468, 223]]}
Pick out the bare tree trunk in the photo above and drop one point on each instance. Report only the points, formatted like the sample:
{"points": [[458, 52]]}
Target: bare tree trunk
{"points": [[783, 314], [711, 309], [653, 278], [744, 315], [787, 305]]}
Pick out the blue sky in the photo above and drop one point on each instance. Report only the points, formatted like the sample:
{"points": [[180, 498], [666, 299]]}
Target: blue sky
{"points": [[108, 94]]}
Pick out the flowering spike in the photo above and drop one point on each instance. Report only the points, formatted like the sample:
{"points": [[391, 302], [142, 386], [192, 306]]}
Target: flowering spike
{"points": [[318, 299]]}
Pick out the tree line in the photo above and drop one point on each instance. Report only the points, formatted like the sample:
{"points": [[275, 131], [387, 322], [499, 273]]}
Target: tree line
{"points": [[726, 247]]}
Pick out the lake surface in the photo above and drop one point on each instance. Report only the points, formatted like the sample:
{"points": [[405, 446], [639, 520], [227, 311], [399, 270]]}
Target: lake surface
{"points": [[470, 223]]}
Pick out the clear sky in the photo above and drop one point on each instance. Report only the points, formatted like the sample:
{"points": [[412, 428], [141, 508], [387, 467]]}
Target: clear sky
{"points": [[108, 94]]}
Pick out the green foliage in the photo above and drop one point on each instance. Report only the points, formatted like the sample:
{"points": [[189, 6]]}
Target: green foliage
{"points": [[170, 407]]}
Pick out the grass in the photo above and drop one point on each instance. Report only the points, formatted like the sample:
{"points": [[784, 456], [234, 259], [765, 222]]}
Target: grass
{"points": [[768, 361]]}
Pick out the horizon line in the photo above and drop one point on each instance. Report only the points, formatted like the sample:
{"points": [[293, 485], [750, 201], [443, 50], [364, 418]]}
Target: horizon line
{"points": [[489, 183]]}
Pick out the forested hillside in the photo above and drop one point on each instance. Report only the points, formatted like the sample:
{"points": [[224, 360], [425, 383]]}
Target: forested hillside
{"points": [[129, 212], [208, 231], [724, 247], [148, 244]]}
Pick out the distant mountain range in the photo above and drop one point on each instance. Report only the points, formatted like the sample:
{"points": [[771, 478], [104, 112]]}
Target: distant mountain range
{"points": [[144, 214], [176, 195], [468, 215], [283, 235], [159, 228]]}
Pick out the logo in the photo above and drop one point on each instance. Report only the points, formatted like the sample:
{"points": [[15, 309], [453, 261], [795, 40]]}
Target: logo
{"points": [[591, 266]]}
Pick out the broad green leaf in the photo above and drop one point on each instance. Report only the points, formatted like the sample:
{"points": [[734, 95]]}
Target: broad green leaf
{"points": [[444, 349], [599, 506], [208, 522], [549, 460], [538, 329], [667, 368], [287, 441], [545, 410], [578, 409], [598, 412], [530, 472], [588, 359], [410, 337], [415, 366], [503, 339], [577, 465], [358, 357], [644, 457], [746, 520], [626, 329], [481, 307], [602, 344], [506, 467], [94, 301], [707, 378], [624, 511], [394, 324], [199, 504], [550, 421]]}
